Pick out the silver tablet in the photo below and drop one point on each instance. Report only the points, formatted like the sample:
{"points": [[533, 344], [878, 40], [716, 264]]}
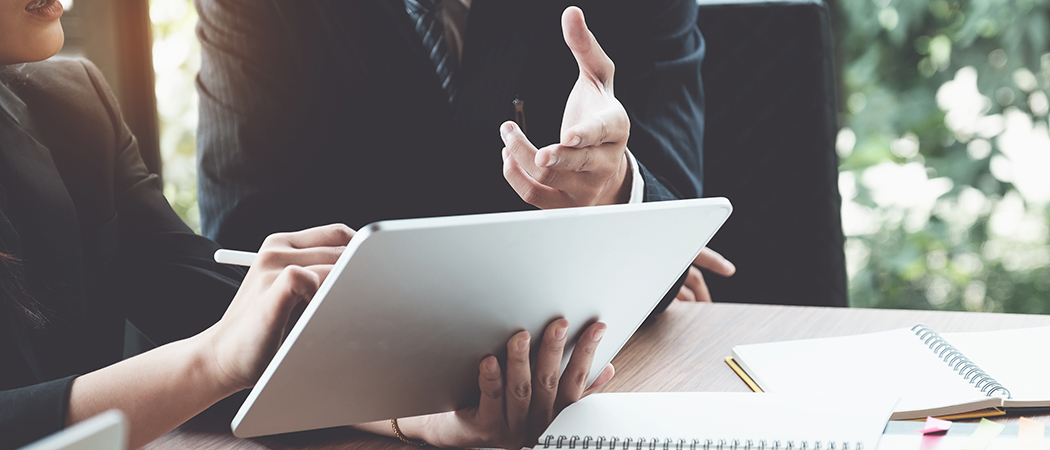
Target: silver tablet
{"points": [[412, 306], [106, 431]]}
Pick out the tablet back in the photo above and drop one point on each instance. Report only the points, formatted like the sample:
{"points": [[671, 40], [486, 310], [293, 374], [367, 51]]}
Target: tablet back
{"points": [[106, 431], [412, 306]]}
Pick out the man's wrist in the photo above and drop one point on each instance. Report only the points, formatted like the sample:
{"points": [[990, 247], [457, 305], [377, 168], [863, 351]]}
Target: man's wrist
{"points": [[619, 189]]}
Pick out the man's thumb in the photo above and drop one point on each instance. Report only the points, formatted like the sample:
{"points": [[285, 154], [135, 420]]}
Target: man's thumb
{"points": [[589, 55]]}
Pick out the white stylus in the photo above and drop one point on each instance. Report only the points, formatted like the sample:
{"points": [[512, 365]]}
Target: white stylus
{"points": [[235, 257]]}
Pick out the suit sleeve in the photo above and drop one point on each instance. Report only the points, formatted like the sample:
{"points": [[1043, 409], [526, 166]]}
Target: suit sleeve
{"points": [[658, 81], [33, 412], [250, 96], [165, 275]]}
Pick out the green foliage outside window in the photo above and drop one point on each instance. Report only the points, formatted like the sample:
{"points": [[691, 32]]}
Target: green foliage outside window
{"points": [[945, 153], [176, 61]]}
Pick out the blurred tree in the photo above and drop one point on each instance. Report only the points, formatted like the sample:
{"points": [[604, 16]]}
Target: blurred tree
{"points": [[945, 153], [176, 61]]}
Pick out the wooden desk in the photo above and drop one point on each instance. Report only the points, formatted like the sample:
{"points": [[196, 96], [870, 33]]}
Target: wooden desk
{"points": [[680, 350]]}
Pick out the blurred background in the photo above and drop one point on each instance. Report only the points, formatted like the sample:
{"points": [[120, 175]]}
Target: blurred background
{"points": [[943, 143], [944, 153]]}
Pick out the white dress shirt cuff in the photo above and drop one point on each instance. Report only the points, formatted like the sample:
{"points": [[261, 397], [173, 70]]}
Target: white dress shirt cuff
{"points": [[637, 183]]}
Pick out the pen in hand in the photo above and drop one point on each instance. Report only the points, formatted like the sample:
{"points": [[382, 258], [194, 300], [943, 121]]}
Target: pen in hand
{"points": [[234, 257], [519, 113]]}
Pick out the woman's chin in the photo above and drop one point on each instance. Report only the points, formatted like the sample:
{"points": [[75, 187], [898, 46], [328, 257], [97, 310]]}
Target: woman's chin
{"points": [[53, 42], [37, 46], [32, 34]]}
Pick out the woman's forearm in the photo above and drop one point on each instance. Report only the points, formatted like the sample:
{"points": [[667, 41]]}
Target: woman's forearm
{"points": [[163, 388], [157, 390]]}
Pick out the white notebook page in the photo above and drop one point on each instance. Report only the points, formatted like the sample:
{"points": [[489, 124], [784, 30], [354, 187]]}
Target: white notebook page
{"points": [[1018, 359], [894, 361], [727, 415]]}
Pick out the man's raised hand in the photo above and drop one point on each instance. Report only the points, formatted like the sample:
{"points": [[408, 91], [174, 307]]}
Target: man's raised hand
{"points": [[589, 166]]}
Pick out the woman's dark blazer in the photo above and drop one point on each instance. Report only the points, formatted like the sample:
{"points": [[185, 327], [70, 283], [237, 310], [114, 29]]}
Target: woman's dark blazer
{"points": [[97, 240]]}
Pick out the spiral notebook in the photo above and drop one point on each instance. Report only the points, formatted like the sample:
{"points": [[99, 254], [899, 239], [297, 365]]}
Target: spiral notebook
{"points": [[719, 420], [974, 373]]}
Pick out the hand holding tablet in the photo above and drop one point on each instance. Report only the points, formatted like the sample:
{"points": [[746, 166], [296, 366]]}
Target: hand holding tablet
{"points": [[438, 296], [518, 403]]}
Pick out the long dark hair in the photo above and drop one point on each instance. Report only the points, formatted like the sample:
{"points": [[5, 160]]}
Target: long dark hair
{"points": [[15, 296]]}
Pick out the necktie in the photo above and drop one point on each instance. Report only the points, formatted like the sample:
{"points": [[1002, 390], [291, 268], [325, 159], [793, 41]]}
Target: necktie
{"points": [[428, 26]]}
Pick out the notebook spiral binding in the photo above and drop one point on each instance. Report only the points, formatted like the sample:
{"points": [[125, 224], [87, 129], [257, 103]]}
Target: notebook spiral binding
{"points": [[603, 443], [959, 362]]}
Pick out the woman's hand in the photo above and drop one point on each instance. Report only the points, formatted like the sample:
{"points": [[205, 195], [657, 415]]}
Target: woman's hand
{"points": [[166, 386], [517, 404], [286, 274]]}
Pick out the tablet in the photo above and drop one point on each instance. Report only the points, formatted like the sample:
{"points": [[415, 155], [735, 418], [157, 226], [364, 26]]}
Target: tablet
{"points": [[399, 326], [106, 431]]}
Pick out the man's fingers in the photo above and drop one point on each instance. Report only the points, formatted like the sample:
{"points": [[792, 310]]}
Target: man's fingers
{"points": [[695, 282], [713, 261], [519, 169], [686, 293], [530, 190], [691, 288], [519, 383], [604, 377], [334, 235], [593, 61], [608, 126], [519, 146], [573, 159], [574, 380]]}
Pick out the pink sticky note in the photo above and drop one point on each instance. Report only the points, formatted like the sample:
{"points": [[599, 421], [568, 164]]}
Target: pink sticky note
{"points": [[1030, 435], [935, 425]]}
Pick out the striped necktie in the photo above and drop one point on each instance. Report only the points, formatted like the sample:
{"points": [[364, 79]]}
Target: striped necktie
{"points": [[428, 26]]}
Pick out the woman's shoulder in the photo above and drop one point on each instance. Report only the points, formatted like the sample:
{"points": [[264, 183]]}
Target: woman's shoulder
{"points": [[57, 71], [74, 113], [68, 91]]}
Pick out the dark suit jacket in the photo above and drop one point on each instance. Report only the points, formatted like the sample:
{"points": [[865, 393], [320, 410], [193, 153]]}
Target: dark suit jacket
{"points": [[320, 111], [98, 242]]}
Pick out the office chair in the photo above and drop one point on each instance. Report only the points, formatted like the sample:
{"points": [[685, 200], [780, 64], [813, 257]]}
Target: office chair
{"points": [[770, 148]]}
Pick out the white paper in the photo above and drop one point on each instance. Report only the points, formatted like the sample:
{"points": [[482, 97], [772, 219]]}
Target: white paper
{"points": [[894, 361], [726, 416], [1017, 359]]}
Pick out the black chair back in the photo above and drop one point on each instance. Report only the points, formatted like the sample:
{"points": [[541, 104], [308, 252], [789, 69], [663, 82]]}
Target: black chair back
{"points": [[770, 148]]}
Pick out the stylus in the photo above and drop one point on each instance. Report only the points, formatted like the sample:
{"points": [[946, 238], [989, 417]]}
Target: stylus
{"points": [[235, 257]]}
